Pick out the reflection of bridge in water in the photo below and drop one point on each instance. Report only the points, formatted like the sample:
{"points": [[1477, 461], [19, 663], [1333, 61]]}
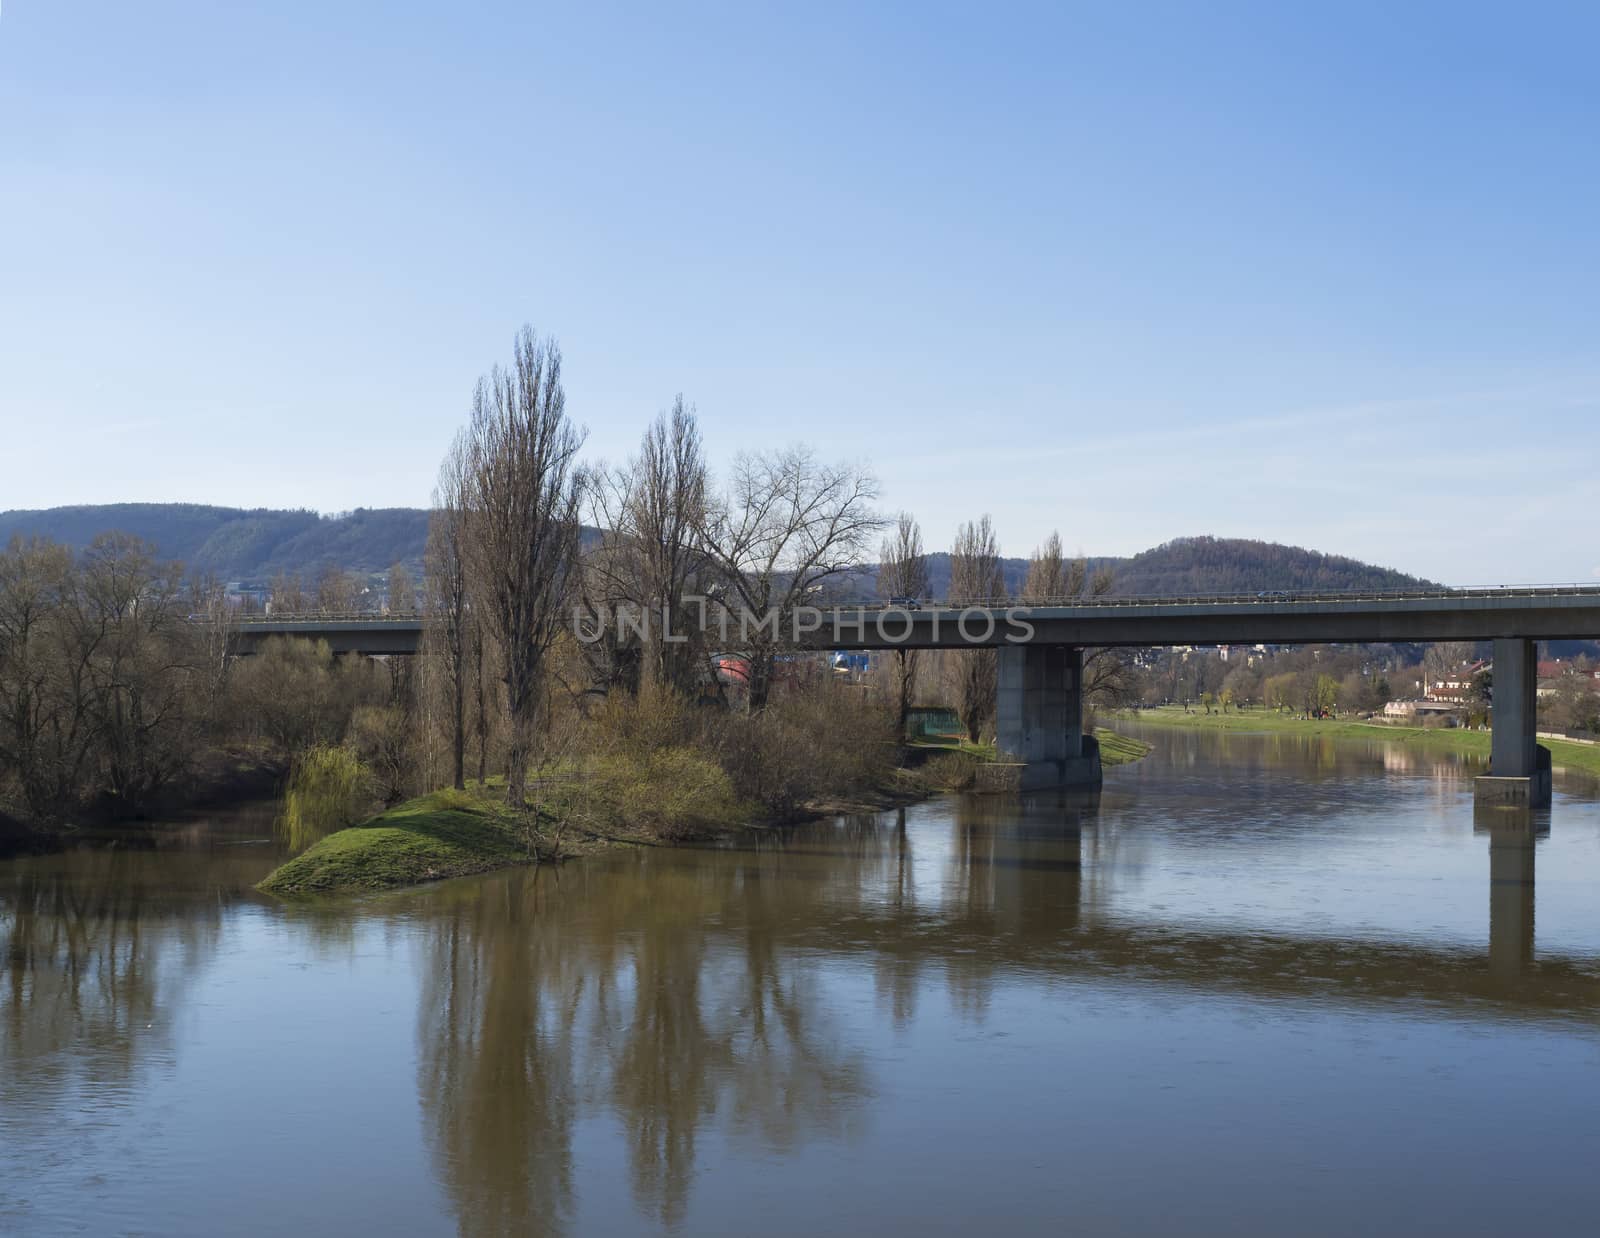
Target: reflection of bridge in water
{"points": [[1024, 906]]}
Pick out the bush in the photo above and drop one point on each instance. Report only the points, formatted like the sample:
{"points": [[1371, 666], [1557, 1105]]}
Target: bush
{"points": [[638, 726], [329, 789], [825, 740], [383, 740], [951, 771], [672, 792], [814, 742]]}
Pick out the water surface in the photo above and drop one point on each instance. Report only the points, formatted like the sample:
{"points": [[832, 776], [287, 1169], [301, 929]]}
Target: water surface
{"points": [[1259, 985]]}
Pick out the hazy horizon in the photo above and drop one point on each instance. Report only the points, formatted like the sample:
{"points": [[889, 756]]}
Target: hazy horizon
{"points": [[1316, 279]]}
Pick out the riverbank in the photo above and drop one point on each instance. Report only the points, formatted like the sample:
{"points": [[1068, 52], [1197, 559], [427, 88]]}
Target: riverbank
{"points": [[1564, 754], [453, 833], [461, 833], [219, 779]]}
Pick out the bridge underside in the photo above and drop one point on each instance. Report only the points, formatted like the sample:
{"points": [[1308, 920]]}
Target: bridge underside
{"points": [[377, 637], [1039, 723]]}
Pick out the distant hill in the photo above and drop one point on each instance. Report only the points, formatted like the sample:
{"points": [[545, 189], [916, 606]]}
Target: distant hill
{"points": [[1240, 565], [1213, 565], [237, 544]]}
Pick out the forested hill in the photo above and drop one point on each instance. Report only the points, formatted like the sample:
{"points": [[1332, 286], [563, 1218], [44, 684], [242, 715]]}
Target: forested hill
{"points": [[1239, 565], [1191, 565], [236, 544]]}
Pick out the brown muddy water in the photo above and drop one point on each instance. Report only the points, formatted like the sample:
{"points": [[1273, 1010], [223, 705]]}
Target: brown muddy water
{"points": [[1259, 985]]}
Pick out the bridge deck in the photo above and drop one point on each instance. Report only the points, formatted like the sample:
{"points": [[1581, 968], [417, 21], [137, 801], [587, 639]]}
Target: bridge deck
{"points": [[1535, 613]]}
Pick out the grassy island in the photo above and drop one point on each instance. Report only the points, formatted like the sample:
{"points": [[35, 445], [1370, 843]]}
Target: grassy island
{"points": [[460, 833], [439, 835]]}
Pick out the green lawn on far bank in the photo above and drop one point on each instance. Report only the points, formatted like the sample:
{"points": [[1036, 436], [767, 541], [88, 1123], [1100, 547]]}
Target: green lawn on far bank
{"points": [[1564, 754]]}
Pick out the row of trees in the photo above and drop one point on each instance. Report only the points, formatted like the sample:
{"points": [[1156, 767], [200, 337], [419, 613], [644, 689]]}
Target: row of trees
{"points": [[506, 568], [336, 590], [116, 682], [115, 675], [102, 681], [677, 564]]}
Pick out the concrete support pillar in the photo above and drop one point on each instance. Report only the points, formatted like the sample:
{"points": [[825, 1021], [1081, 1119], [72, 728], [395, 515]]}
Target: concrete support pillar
{"points": [[1519, 769], [1515, 700], [1039, 716]]}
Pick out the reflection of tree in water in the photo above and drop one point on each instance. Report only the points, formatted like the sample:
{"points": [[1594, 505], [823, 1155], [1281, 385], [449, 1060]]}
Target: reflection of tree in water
{"points": [[897, 976], [496, 1068], [95, 951], [670, 989]]}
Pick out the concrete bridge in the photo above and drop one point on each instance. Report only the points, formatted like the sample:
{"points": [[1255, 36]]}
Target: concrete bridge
{"points": [[375, 635], [1039, 717]]}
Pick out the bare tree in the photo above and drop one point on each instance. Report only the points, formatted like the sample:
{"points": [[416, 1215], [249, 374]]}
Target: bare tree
{"points": [[141, 678], [903, 573], [402, 593], [445, 578], [1047, 576], [1107, 678], [44, 718], [787, 527], [1446, 660], [1051, 576], [287, 595], [650, 560], [523, 487], [212, 619], [476, 654], [338, 591], [975, 577]]}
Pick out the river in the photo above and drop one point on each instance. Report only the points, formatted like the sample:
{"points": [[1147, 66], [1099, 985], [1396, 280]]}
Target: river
{"points": [[1260, 985]]}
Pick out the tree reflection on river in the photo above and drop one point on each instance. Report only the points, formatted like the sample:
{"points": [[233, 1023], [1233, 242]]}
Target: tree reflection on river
{"points": [[1245, 974]]}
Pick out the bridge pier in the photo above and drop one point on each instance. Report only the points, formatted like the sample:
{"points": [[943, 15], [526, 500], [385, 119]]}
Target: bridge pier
{"points": [[1039, 716], [1519, 768]]}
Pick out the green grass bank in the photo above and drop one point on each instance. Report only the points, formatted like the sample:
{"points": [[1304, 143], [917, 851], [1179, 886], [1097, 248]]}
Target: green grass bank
{"points": [[439, 835], [1118, 749], [1564, 754]]}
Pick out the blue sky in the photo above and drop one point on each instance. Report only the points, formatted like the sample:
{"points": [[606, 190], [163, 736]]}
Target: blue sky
{"points": [[1129, 271]]}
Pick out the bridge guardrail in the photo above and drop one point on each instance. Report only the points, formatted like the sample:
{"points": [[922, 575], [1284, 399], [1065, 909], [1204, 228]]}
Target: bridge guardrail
{"points": [[1261, 598]]}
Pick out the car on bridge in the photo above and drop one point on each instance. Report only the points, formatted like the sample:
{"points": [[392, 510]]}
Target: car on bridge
{"points": [[906, 603]]}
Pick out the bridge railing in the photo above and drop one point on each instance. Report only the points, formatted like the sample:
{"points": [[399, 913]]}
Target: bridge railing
{"points": [[330, 616], [1269, 597], [1265, 597]]}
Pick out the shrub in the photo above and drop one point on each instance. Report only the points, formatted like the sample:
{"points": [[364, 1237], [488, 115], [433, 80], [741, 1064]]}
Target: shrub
{"points": [[329, 789], [816, 742], [382, 738], [951, 771], [671, 792], [637, 726]]}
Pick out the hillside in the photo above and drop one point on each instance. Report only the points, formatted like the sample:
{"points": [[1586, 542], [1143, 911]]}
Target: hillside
{"points": [[1239, 565], [236, 544], [1213, 565]]}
